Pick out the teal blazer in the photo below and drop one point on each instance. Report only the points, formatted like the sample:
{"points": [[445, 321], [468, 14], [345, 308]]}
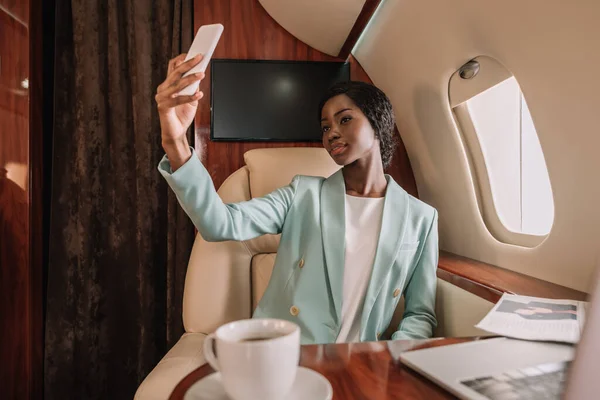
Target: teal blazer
{"points": [[309, 214]]}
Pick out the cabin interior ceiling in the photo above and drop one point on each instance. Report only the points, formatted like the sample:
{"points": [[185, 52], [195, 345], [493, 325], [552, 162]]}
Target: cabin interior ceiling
{"points": [[411, 48], [322, 24]]}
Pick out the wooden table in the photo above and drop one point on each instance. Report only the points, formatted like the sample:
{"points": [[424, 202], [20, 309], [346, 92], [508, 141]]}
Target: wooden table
{"points": [[357, 371]]}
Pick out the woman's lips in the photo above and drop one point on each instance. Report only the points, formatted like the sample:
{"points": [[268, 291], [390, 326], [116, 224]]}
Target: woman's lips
{"points": [[338, 150]]}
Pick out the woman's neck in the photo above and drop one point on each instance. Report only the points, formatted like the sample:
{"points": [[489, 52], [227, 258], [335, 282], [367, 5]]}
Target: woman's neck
{"points": [[365, 178]]}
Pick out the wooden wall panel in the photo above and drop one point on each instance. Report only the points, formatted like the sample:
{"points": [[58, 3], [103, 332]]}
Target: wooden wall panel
{"points": [[250, 33], [15, 274], [18, 9]]}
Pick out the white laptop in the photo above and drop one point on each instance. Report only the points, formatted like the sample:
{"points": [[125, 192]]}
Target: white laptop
{"points": [[503, 368]]}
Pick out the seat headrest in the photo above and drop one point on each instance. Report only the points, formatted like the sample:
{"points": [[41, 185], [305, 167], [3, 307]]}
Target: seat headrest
{"points": [[273, 168]]}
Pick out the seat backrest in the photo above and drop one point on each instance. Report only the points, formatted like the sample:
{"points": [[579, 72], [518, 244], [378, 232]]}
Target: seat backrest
{"points": [[225, 280]]}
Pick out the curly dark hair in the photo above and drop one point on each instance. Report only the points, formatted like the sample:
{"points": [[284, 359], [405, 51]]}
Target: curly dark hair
{"points": [[377, 108]]}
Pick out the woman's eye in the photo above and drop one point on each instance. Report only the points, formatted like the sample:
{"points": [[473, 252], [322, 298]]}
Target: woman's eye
{"points": [[324, 129], [345, 119]]}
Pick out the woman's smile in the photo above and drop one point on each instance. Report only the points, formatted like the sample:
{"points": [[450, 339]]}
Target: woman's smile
{"points": [[337, 149]]}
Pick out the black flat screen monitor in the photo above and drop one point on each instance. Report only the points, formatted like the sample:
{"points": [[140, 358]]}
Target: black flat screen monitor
{"points": [[265, 100]]}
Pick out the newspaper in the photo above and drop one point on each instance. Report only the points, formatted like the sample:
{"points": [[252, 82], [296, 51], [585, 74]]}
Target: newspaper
{"points": [[535, 318]]}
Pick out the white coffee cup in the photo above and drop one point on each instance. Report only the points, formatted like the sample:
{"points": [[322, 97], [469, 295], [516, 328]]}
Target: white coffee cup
{"points": [[257, 358]]}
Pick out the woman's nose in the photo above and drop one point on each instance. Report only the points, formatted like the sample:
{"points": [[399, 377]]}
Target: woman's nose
{"points": [[333, 134]]}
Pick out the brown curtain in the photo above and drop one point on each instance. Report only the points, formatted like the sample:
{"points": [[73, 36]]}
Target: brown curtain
{"points": [[119, 243]]}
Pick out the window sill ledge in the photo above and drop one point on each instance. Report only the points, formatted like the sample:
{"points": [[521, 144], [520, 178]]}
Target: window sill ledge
{"points": [[490, 282]]}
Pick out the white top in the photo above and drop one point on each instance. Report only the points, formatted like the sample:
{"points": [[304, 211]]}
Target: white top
{"points": [[363, 223]]}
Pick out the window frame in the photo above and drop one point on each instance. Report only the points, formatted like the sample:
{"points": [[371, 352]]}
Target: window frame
{"points": [[494, 74]]}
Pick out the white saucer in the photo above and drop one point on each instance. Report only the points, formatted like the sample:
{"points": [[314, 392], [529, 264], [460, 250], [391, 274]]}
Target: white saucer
{"points": [[308, 385]]}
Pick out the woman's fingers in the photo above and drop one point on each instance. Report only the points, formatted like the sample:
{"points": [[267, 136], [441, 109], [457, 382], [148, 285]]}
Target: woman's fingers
{"points": [[174, 62], [173, 90], [184, 67], [175, 74], [165, 102], [179, 70], [183, 83]]}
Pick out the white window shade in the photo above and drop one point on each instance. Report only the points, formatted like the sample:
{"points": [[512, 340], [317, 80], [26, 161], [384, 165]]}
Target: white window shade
{"points": [[506, 158], [538, 204], [496, 117]]}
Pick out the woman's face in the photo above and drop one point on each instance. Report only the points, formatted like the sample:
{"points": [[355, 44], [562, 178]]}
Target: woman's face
{"points": [[347, 133]]}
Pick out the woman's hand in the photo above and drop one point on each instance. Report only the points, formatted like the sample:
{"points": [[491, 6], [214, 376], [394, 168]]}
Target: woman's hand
{"points": [[177, 112]]}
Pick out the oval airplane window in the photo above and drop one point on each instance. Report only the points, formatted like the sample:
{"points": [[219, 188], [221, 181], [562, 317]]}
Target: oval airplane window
{"points": [[509, 170]]}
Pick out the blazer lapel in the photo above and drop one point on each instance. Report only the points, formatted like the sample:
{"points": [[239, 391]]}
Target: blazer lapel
{"points": [[393, 224], [333, 230]]}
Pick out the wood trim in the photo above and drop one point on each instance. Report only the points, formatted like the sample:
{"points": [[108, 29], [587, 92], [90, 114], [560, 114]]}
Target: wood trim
{"points": [[17, 10], [490, 282], [359, 26]]}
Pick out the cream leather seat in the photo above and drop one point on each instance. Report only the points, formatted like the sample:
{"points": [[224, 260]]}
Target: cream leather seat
{"points": [[225, 280]]}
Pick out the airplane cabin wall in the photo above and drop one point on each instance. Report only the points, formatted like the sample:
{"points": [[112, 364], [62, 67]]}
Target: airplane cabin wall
{"points": [[411, 48], [323, 25]]}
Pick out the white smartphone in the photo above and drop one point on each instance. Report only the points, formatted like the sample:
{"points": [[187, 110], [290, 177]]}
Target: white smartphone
{"points": [[204, 43]]}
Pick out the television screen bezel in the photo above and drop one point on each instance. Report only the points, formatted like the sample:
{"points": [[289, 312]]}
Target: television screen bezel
{"points": [[346, 64]]}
